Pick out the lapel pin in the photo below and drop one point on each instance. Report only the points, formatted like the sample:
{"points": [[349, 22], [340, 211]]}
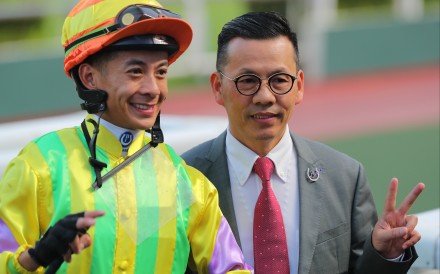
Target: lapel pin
{"points": [[312, 175]]}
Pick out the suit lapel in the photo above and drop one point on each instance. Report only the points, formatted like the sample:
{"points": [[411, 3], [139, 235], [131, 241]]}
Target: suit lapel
{"points": [[216, 157], [310, 193]]}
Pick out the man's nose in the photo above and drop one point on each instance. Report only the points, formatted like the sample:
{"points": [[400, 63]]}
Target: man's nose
{"points": [[150, 86], [264, 95]]}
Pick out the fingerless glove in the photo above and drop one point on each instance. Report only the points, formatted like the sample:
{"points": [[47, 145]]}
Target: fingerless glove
{"points": [[55, 242]]}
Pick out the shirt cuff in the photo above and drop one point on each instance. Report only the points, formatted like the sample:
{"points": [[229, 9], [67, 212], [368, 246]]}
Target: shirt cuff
{"points": [[397, 259]]}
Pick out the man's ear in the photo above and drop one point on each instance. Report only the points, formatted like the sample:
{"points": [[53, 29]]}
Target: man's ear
{"points": [[87, 76], [216, 87], [300, 87]]}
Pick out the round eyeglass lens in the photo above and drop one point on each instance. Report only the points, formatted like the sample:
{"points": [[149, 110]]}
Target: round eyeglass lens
{"points": [[281, 83], [248, 84]]}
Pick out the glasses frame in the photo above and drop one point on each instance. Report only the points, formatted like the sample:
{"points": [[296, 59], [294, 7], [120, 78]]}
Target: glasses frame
{"points": [[260, 81]]}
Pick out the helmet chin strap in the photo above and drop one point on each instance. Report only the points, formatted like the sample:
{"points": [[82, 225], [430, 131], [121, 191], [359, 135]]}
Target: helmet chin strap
{"points": [[94, 99], [97, 165], [156, 132]]}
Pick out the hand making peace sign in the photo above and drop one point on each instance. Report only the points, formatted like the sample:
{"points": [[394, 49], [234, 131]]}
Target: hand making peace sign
{"points": [[395, 230]]}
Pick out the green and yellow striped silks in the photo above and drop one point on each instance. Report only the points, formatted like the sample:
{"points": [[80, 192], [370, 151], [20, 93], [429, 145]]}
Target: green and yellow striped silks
{"points": [[155, 207]]}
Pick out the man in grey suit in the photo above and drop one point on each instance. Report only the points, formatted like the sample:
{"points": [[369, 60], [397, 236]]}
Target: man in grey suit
{"points": [[329, 215]]}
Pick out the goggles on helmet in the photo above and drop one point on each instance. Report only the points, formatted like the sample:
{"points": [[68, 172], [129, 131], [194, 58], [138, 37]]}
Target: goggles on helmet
{"points": [[129, 15]]}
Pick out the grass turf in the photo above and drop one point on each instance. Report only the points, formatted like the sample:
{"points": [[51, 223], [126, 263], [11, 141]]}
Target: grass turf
{"points": [[410, 154]]}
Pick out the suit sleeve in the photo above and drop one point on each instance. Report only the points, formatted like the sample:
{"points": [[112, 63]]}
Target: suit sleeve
{"points": [[372, 262]]}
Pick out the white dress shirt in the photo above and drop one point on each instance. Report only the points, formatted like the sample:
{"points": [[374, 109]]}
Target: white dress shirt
{"points": [[246, 187]]}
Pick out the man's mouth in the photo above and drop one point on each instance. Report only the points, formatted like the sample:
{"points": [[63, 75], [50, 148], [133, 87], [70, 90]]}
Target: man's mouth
{"points": [[263, 116], [142, 106]]}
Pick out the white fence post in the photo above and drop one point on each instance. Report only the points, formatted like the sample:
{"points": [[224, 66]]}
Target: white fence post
{"points": [[408, 9], [318, 15]]}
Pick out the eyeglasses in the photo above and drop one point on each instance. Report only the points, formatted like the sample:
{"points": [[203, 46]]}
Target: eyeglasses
{"points": [[129, 15], [248, 84]]}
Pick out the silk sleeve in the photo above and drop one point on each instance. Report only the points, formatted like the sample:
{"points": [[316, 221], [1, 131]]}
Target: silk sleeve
{"points": [[19, 210], [213, 246]]}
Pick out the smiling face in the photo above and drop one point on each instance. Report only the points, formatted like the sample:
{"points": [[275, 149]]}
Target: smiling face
{"points": [[136, 84], [258, 121]]}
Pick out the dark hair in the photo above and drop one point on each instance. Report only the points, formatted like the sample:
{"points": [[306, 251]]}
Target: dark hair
{"points": [[254, 25]]}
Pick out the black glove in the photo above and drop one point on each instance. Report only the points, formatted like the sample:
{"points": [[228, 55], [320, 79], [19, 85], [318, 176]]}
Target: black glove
{"points": [[55, 242]]}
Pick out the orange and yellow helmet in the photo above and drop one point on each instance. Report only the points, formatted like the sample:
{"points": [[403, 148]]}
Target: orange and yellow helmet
{"points": [[93, 25]]}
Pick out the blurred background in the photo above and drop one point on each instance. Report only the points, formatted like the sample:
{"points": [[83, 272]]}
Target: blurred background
{"points": [[372, 82]]}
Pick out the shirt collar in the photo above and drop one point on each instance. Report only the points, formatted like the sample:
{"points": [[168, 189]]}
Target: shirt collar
{"points": [[282, 156], [242, 158], [109, 138]]}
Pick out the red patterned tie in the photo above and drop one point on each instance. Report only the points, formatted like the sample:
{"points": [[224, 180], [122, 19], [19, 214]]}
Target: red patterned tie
{"points": [[270, 245]]}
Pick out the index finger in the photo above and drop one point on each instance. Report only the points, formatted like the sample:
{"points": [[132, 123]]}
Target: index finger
{"points": [[94, 213], [89, 219], [409, 200]]}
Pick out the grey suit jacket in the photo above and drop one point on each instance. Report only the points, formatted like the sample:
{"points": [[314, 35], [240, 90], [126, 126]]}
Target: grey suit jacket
{"points": [[337, 212]]}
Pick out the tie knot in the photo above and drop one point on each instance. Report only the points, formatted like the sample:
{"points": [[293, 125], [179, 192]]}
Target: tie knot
{"points": [[264, 168]]}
